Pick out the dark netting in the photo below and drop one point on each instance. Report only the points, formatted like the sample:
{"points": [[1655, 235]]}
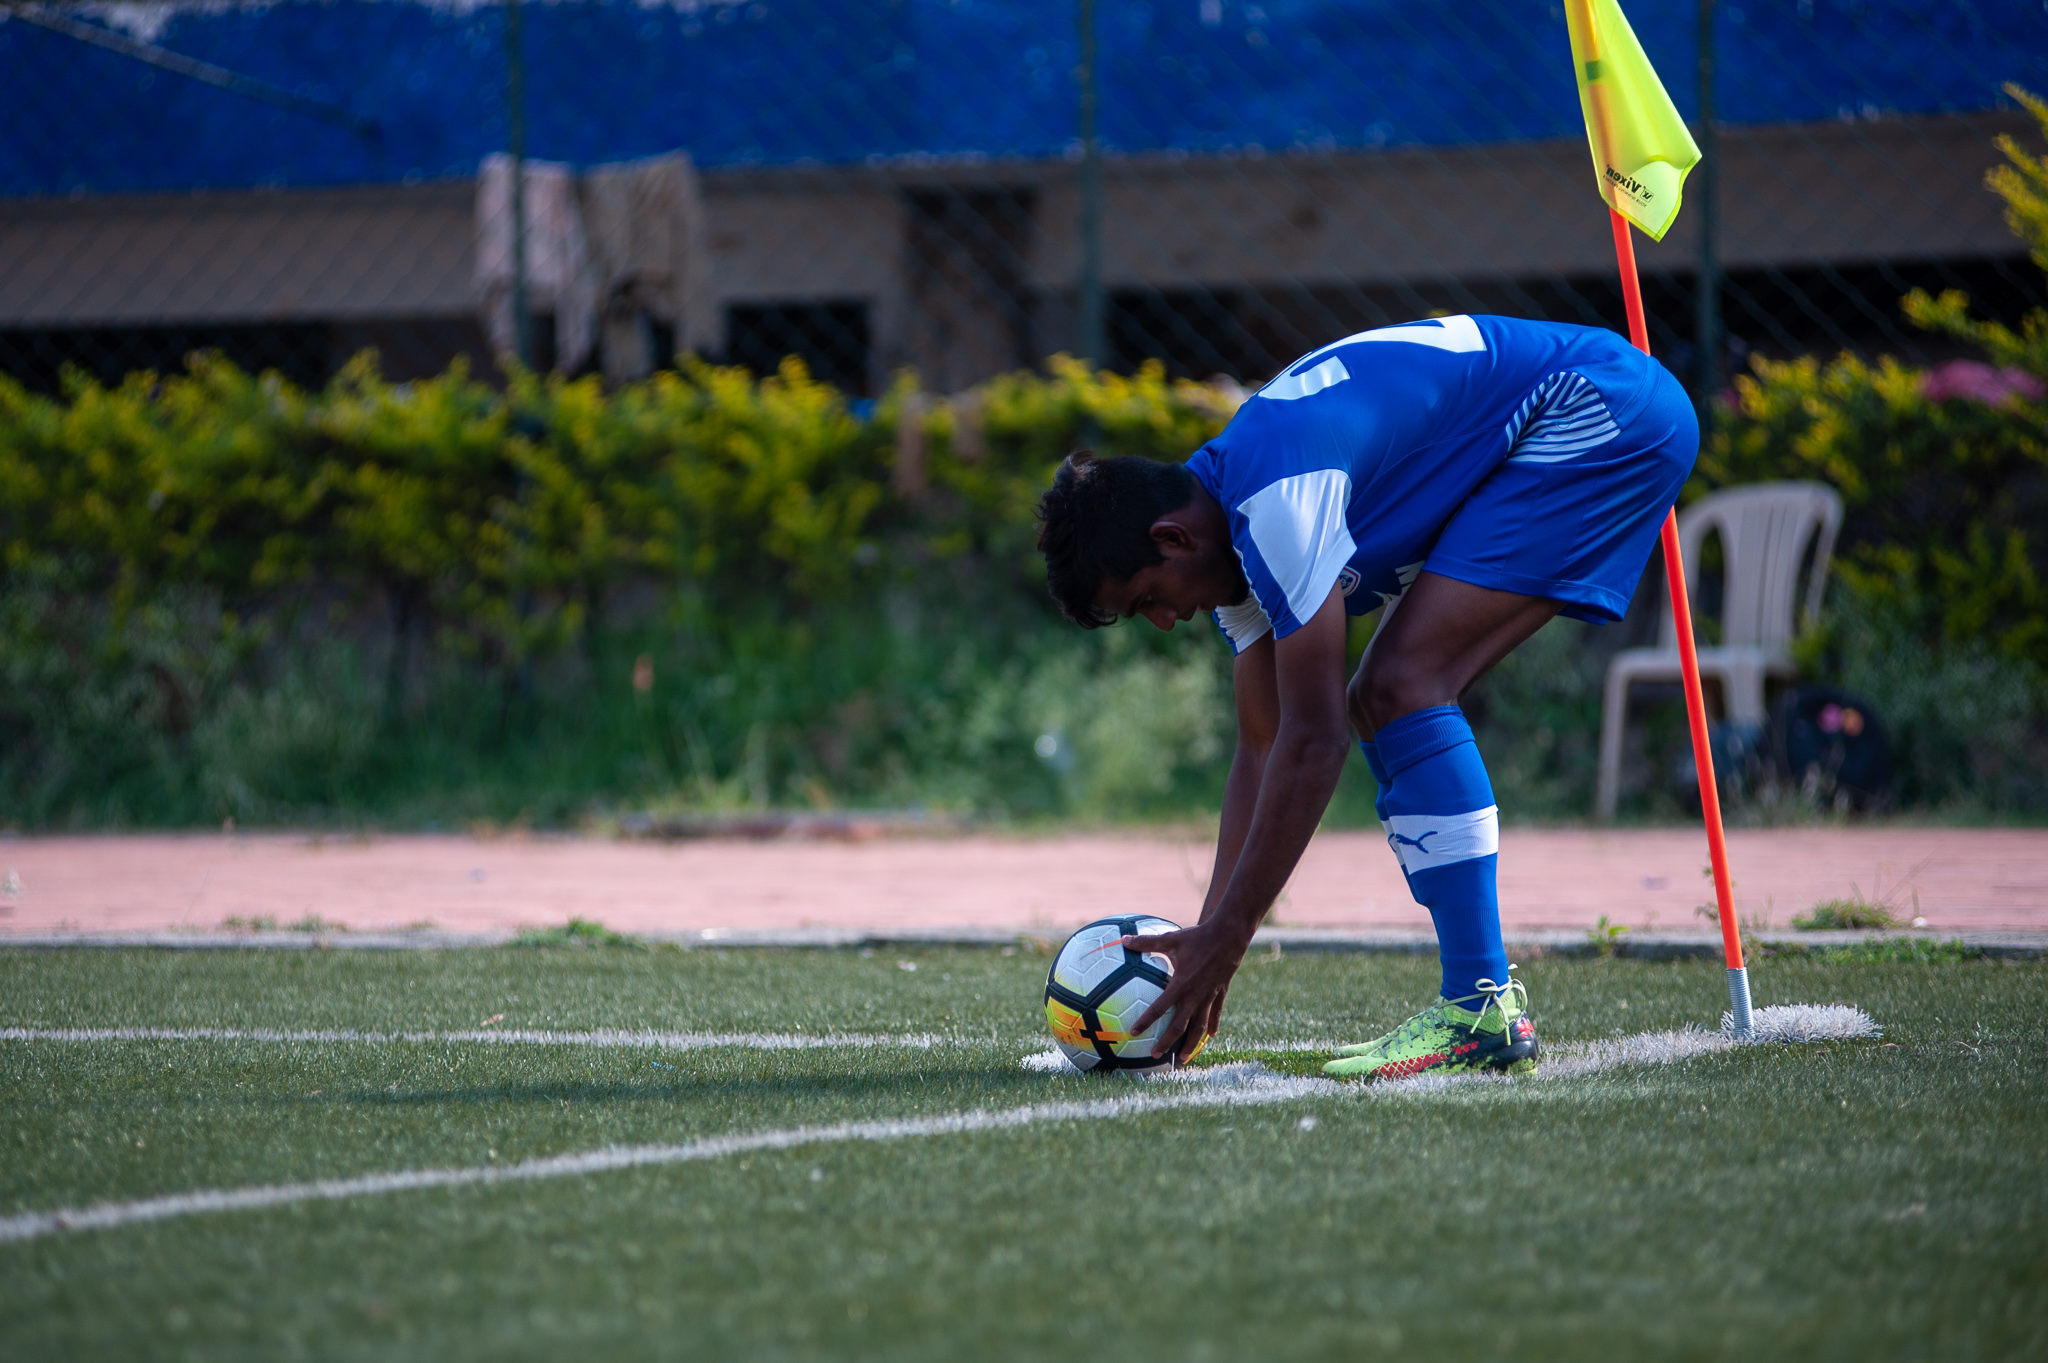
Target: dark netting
{"points": [[875, 187], [831, 338]]}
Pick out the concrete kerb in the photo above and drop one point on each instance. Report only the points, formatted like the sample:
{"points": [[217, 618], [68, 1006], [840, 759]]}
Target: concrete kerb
{"points": [[1525, 945]]}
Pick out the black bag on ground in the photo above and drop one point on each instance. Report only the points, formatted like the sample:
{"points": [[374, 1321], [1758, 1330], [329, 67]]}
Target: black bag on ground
{"points": [[1830, 745]]}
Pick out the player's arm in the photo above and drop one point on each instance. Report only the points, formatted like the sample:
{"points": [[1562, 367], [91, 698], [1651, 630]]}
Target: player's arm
{"points": [[1296, 779], [1258, 722]]}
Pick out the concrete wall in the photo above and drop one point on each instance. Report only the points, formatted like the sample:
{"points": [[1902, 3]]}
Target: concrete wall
{"points": [[263, 256], [1791, 196]]}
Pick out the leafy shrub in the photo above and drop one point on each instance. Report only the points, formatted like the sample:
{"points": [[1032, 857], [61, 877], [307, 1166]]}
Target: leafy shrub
{"points": [[1945, 500], [98, 703], [1938, 607], [226, 597], [1123, 737]]}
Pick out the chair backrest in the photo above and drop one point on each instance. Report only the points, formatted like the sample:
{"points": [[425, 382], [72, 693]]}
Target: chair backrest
{"points": [[1764, 529]]}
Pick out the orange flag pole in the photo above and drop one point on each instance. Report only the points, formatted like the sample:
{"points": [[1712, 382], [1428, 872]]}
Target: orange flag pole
{"points": [[1689, 666]]}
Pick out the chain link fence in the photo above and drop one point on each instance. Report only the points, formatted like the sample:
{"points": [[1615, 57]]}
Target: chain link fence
{"points": [[964, 187]]}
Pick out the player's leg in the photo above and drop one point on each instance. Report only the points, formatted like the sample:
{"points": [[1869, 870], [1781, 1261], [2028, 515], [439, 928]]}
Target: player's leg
{"points": [[1567, 521], [1436, 641], [1437, 806]]}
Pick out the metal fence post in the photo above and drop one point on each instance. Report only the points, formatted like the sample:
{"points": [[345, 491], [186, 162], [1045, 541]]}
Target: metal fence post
{"points": [[515, 101], [1093, 343], [1707, 306]]}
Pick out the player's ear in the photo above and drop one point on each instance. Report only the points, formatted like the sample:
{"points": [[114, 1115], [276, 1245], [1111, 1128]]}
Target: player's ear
{"points": [[1171, 536]]}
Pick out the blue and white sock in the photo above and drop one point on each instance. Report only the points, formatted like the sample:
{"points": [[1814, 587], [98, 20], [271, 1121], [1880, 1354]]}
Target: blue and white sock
{"points": [[1379, 775], [1436, 804]]}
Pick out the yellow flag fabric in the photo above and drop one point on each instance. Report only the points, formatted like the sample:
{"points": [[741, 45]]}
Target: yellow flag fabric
{"points": [[1641, 149]]}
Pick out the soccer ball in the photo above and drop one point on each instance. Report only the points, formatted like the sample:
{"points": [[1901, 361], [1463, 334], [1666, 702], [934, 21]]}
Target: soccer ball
{"points": [[1098, 988]]}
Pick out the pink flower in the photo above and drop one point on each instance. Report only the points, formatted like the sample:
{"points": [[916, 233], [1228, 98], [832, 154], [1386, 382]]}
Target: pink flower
{"points": [[1975, 381]]}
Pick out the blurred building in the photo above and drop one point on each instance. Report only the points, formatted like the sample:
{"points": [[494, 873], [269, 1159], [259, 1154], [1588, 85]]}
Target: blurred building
{"points": [[879, 185]]}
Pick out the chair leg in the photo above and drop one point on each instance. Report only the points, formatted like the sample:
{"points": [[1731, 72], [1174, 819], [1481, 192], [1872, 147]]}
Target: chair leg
{"points": [[1744, 694], [1613, 718]]}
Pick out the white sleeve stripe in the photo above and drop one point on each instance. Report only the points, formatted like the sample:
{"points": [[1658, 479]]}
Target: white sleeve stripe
{"points": [[1298, 526], [1243, 624]]}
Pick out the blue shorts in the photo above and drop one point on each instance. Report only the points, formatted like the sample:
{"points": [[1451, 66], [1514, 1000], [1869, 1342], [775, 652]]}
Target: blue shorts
{"points": [[1577, 528]]}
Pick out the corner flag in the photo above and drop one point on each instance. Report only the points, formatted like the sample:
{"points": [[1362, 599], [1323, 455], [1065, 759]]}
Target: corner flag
{"points": [[1641, 150]]}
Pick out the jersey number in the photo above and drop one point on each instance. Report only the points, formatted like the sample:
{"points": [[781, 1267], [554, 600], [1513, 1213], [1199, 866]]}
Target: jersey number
{"points": [[1305, 376]]}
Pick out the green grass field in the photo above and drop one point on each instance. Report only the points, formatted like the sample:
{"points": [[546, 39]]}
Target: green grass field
{"points": [[1867, 1200]]}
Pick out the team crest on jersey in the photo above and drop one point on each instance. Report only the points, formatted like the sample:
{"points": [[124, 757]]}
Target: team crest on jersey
{"points": [[1347, 580]]}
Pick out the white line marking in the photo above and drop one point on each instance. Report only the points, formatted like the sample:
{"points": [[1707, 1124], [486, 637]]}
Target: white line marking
{"points": [[603, 1037], [1240, 1084], [1790, 1023], [1570, 1060], [1227, 1086]]}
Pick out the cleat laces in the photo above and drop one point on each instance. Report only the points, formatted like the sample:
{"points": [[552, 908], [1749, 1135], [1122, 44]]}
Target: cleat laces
{"points": [[1490, 995]]}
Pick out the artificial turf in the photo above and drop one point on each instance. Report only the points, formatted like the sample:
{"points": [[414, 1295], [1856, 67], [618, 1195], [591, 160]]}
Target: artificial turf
{"points": [[1880, 1199]]}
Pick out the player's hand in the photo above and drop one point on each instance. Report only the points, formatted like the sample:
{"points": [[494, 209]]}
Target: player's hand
{"points": [[1205, 960]]}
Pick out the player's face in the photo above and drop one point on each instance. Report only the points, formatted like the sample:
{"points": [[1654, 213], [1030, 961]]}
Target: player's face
{"points": [[1161, 593], [1199, 572]]}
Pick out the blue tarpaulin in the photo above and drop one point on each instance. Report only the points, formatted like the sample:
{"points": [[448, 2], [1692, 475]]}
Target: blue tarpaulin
{"points": [[779, 82]]}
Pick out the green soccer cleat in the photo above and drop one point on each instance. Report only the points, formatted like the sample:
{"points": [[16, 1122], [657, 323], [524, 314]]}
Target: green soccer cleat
{"points": [[1451, 1038]]}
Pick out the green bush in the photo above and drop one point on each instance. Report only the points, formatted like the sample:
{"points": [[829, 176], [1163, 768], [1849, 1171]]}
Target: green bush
{"points": [[226, 597], [1938, 609], [1946, 501], [98, 703]]}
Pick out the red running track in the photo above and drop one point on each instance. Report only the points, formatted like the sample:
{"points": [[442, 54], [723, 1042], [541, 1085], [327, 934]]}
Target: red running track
{"points": [[1966, 880]]}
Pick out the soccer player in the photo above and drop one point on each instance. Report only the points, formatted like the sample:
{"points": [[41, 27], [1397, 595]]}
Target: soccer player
{"points": [[1473, 477]]}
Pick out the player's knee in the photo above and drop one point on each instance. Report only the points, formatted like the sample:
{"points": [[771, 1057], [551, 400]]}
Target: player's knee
{"points": [[1390, 688], [1355, 706]]}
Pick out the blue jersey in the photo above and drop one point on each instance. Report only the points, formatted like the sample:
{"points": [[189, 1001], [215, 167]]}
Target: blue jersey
{"points": [[1345, 468]]}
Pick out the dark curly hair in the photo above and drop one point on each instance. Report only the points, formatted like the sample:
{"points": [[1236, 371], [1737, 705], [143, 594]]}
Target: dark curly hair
{"points": [[1095, 523]]}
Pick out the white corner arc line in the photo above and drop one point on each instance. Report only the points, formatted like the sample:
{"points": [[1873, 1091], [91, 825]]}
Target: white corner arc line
{"points": [[1258, 1091], [600, 1037], [1775, 1025]]}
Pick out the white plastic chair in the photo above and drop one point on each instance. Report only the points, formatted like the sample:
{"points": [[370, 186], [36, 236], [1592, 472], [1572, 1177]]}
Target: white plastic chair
{"points": [[1765, 529]]}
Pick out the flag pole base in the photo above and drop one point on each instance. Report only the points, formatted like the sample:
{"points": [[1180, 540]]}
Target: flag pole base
{"points": [[1738, 1024]]}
